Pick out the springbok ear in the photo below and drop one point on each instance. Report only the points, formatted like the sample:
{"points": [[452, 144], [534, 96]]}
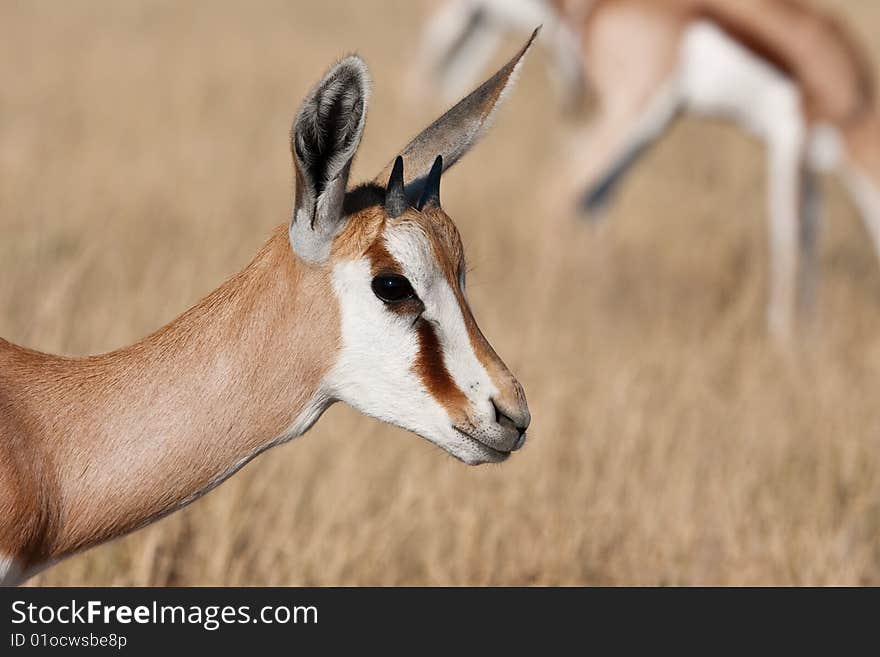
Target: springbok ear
{"points": [[323, 141], [454, 133]]}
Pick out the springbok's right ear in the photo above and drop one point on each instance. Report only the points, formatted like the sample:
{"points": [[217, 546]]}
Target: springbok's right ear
{"points": [[324, 138], [456, 132]]}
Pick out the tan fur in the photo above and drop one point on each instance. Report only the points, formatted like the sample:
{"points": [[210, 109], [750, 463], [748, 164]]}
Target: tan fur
{"points": [[810, 46], [863, 144], [91, 448], [806, 43]]}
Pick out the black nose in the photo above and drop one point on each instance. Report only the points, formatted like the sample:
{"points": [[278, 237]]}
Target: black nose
{"points": [[506, 421]]}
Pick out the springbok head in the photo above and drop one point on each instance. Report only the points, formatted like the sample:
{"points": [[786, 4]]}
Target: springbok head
{"points": [[410, 350]]}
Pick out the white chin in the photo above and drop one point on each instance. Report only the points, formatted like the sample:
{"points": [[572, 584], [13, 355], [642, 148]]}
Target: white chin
{"points": [[472, 452], [485, 457]]}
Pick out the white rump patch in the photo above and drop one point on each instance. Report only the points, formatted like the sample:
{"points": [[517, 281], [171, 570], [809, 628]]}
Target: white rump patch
{"points": [[721, 77]]}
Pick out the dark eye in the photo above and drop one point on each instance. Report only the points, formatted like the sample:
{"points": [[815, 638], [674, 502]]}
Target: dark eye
{"points": [[392, 288]]}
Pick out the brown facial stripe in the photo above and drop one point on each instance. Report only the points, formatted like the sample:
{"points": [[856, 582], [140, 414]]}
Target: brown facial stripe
{"points": [[432, 370], [448, 252], [429, 364], [446, 244]]}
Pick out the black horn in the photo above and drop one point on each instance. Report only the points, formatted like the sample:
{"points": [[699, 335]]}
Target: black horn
{"points": [[431, 193], [395, 196]]}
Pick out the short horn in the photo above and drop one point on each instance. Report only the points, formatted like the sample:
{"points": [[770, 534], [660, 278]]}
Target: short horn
{"points": [[395, 195], [431, 195]]}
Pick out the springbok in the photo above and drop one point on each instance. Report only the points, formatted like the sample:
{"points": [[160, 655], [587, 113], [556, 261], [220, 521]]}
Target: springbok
{"points": [[781, 69], [360, 298]]}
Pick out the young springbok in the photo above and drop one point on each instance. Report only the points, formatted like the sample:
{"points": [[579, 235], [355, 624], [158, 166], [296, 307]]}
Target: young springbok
{"points": [[361, 299], [781, 69]]}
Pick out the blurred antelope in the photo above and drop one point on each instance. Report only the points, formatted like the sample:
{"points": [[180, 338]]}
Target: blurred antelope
{"points": [[782, 70], [361, 298]]}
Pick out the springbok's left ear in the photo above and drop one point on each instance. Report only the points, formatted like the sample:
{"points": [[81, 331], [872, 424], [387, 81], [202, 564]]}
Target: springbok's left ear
{"points": [[454, 133], [324, 139]]}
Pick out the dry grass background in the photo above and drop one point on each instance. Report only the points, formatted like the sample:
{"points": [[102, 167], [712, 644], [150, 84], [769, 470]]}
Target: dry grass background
{"points": [[143, 158]]}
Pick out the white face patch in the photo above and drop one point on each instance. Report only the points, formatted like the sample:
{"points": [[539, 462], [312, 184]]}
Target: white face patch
{"points": [[410, 247], [376, 370]]}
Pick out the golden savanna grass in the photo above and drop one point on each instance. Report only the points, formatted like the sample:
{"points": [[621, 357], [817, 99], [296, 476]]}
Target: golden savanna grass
{"points": [[144, 158]]}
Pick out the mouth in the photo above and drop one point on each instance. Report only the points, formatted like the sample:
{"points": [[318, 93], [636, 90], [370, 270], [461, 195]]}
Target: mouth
{"points": [[486, 454]]}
